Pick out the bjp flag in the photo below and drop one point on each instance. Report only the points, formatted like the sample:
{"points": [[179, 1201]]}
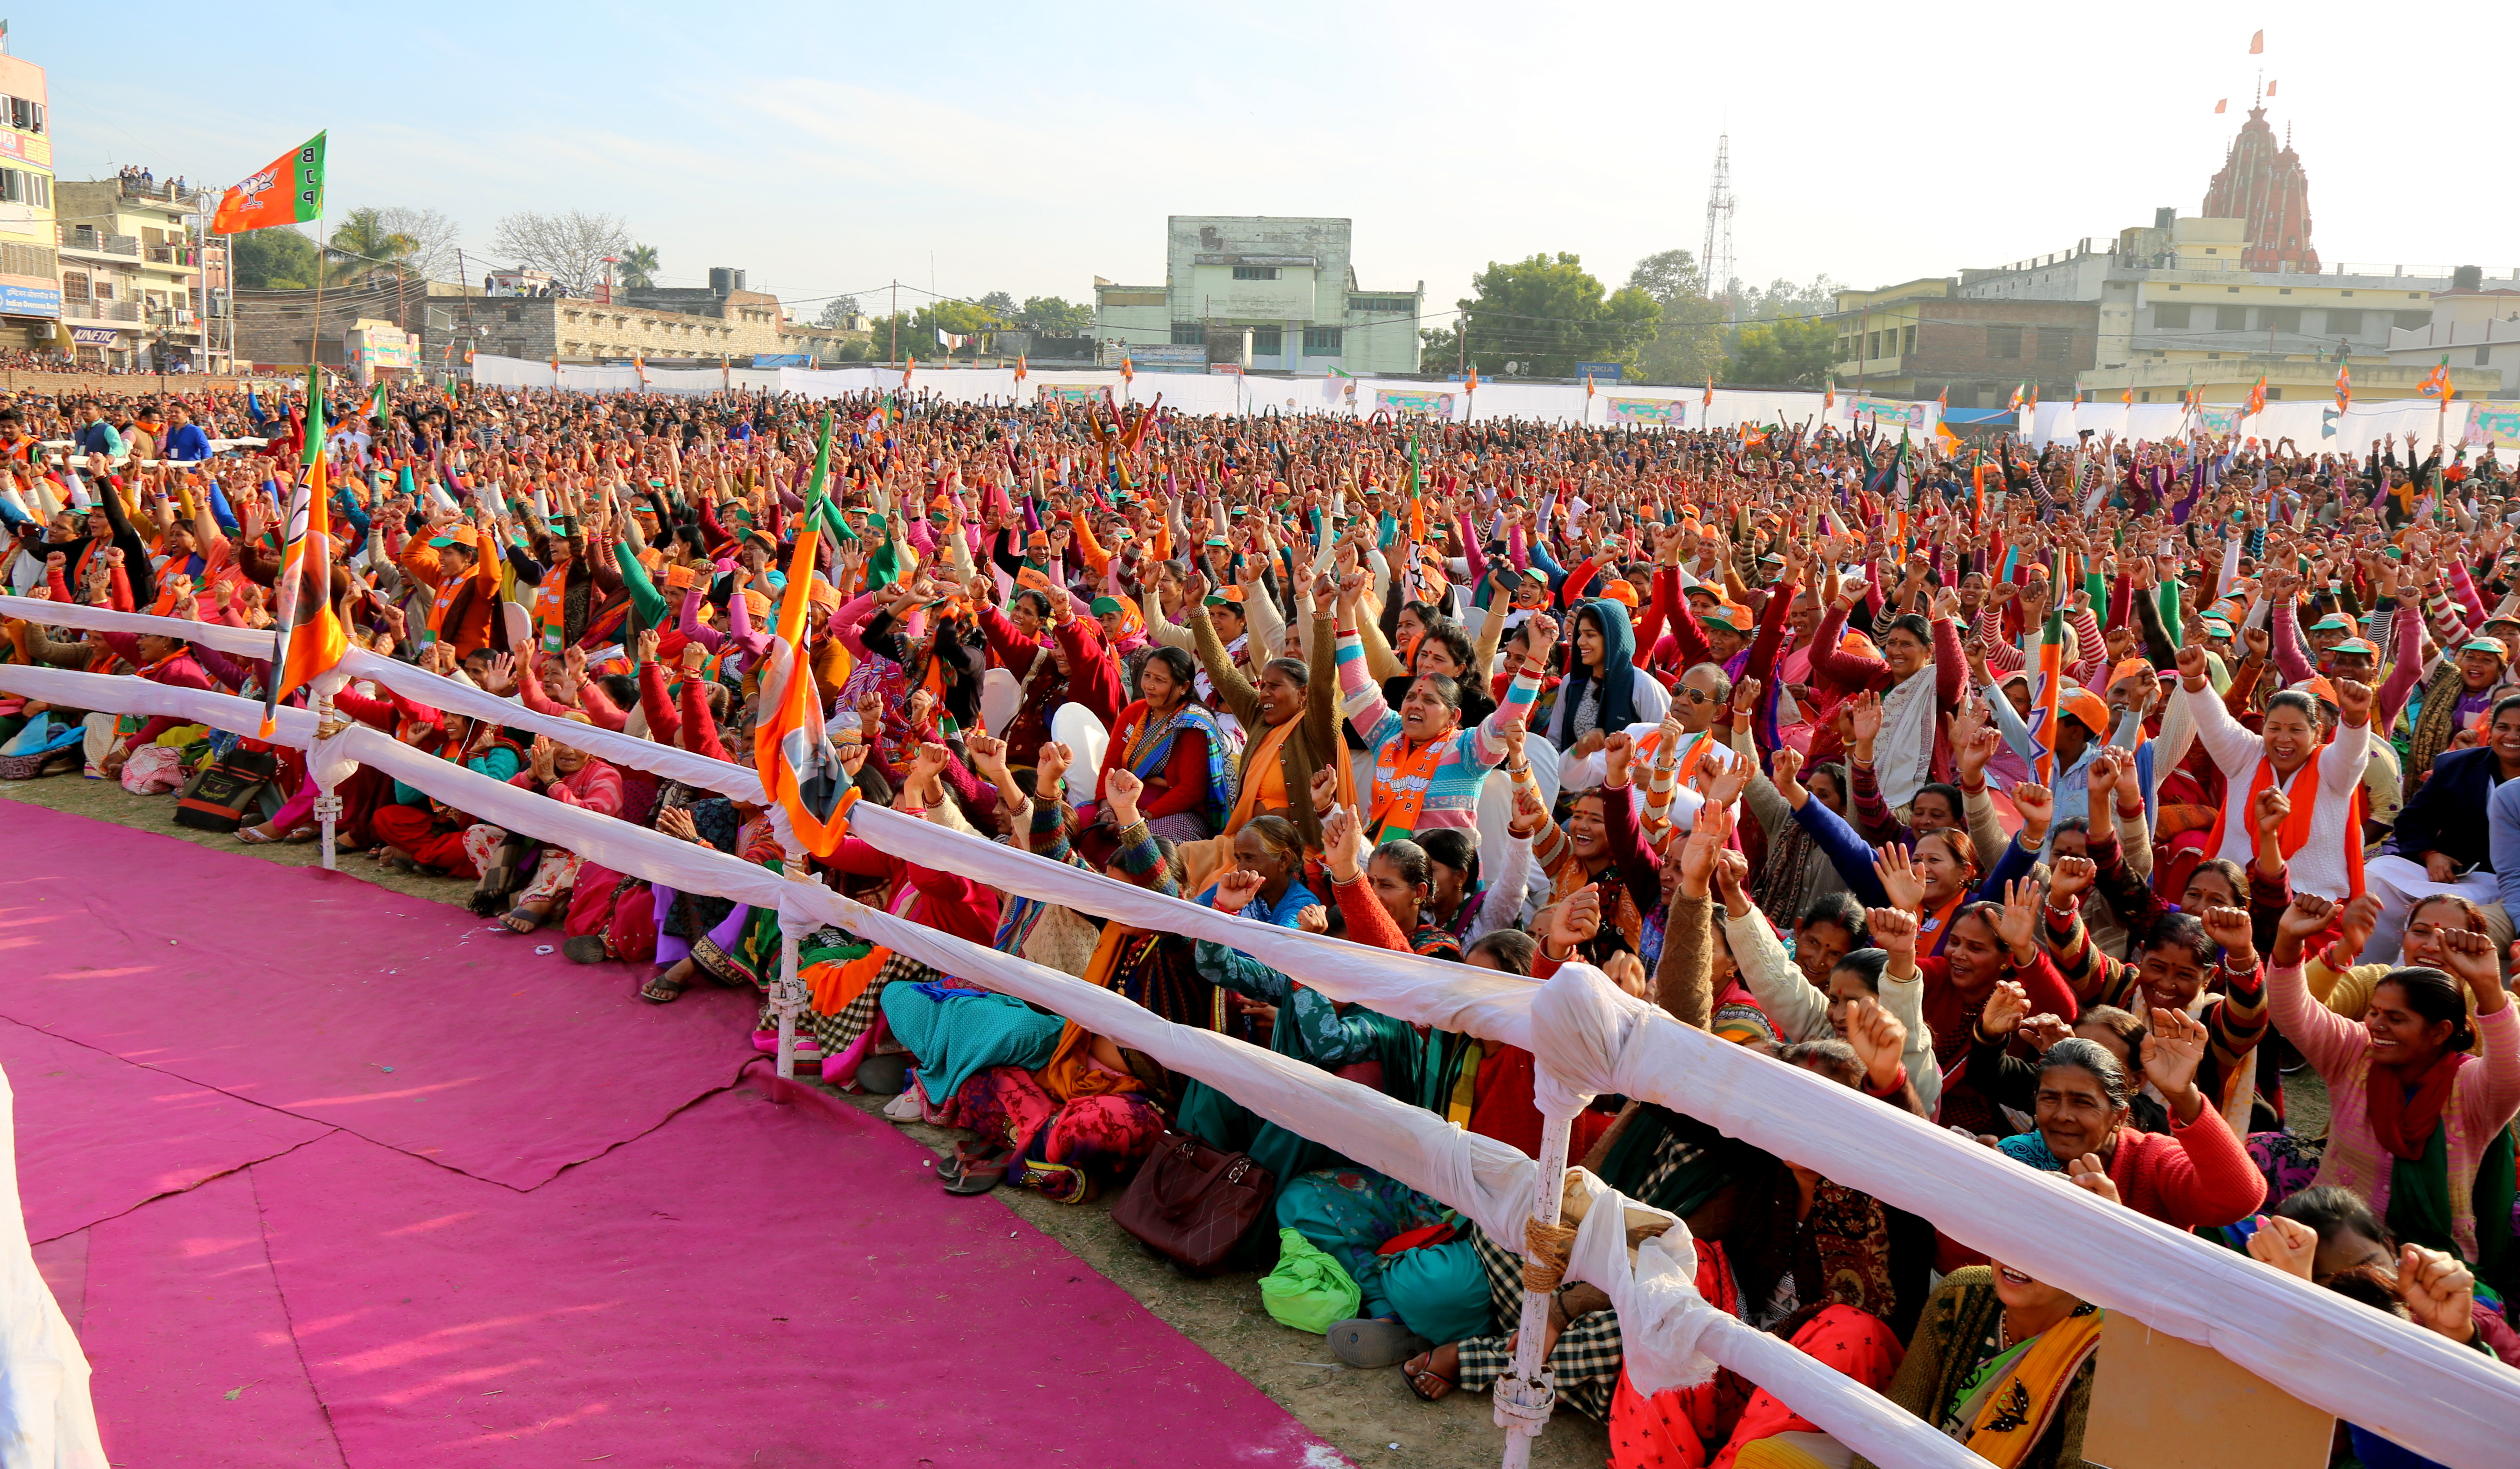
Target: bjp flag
{"points": [[307, 637], [791, 750], [289, 189]]}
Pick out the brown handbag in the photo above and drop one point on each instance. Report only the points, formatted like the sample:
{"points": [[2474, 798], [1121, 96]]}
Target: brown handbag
{"points": [[1191, 1203]]}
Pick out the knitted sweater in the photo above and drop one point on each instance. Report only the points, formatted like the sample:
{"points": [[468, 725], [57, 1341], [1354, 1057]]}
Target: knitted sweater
{"points": [[2482, 1100], [2194, 1177], [1467, 755]]}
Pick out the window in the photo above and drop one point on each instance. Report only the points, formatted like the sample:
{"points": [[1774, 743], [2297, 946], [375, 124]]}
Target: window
{"points": [[2233, 289], [2345, 323], [2230, 317], [73, 286], [2348, 296], [2484, 355], [1907, 340], [2004, 341], [1323, 342], [2279, 318], [2411, 321], [1872, 344], [1189, 334], [1255, 272], [2173, 288], [1268, 341], [2274, 393], [2144, 397], [2284, 290], [2055, 344], [1382, 305], [2170, 316]]}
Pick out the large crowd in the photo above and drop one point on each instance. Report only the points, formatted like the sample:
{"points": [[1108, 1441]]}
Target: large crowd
{"points": [[2135, 809]]}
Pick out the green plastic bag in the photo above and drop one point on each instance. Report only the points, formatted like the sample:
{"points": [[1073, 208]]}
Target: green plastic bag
{"points": [[1308, 1290]]}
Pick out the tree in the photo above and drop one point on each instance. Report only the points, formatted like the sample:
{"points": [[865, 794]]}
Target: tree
{"points": [[639, 267], [278, 259], [1687, 345], [1783, 297], [836, 311], [361, 247], [1050, 316], [432, 235], [569, 247], [1789, 352], [1668, 276], [1545, 314], [1001, 307]]}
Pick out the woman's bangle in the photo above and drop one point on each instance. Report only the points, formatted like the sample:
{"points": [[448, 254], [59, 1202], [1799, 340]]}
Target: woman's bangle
{"points": [[911, 810]]}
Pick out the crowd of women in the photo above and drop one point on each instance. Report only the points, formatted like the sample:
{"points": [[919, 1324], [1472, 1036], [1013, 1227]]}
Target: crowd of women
{"points": [[2118, 806]]}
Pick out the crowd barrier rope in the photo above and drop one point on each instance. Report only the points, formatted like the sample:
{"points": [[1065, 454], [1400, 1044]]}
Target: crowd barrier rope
{"points": [[2410, 1385]]}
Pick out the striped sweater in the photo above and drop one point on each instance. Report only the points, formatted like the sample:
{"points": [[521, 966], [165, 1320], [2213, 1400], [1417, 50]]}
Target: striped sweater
{"points": [[1461, 768]]}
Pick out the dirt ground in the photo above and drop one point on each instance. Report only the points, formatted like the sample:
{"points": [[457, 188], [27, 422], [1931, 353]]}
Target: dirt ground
{"points": [[1370, 1416]]}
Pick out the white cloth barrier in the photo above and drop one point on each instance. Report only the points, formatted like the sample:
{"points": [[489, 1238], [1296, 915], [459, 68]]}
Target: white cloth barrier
{"points": [[1238, 394], [2313, 424], [490, 371], [244, 641], [2390, 1376], [47, 1420], [439, 692]]}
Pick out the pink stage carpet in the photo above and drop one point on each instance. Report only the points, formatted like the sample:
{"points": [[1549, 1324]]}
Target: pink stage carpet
{"points": [[563, 1228]]}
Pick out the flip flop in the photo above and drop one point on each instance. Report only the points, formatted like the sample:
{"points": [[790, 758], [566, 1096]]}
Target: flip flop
{"points": [[252, 836], [1451, 1385], [662, 989], [1367, 1342], [534, 921], [982, 1172]]}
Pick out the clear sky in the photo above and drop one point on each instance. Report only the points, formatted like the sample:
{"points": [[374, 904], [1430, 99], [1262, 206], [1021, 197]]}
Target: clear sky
{"points": [[1031, 148]]}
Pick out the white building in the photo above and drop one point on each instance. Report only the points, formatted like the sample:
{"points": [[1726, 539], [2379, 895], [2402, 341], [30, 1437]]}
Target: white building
{"points": [[2476, 328], [1274, 294]]}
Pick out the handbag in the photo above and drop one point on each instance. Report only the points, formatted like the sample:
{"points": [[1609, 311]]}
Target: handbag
{"points": [[221, 792], [1191, 1203]]}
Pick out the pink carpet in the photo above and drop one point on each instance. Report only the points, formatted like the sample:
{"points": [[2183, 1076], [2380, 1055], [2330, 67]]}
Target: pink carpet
{"points": [[141, 1132], [408, 1023], [441, 1281]]}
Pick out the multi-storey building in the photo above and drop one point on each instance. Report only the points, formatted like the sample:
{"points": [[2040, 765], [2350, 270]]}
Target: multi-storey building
{"points": [[1268, 294], [30, 285], [131, 272]]}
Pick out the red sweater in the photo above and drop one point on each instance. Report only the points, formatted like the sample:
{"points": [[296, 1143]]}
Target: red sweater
{"points": [[2195, 1176]]}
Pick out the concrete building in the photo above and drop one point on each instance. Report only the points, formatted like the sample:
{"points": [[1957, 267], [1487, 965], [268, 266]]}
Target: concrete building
{"points": [[1923, 338], [662, 327], [131, 265], [31, 280], [1270, 294], [2476, 326], [2220, 299]]}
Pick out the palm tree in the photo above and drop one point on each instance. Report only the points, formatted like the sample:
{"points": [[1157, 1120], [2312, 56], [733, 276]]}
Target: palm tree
{"points": [[362, 245], [639, 267]]}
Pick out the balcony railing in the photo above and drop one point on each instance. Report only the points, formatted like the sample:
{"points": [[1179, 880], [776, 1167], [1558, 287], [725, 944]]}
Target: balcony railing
{"points": [[84, 238], [101, 311], [164, 191], [172, 255]]}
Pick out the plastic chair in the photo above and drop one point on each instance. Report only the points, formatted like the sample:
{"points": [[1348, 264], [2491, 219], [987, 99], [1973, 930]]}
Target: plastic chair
{"points": [[1075, 726], [1001, 695]]}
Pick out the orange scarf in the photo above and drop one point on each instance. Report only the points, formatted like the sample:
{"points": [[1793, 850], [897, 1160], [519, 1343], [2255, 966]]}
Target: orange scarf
{"points": [[2294, 834], [1401, 779]]}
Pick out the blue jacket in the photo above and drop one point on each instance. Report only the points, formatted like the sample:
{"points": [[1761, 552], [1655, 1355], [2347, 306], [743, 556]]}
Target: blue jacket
{"points": [[2441, 816]]}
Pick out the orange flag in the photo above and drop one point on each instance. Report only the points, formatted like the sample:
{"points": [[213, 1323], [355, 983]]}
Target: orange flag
{"points": [[289, 189]]}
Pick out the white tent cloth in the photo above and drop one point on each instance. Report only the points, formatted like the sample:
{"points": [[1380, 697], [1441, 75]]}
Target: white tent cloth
{"points": [[47, 1420], [2407, 1384], [2314, 425]]}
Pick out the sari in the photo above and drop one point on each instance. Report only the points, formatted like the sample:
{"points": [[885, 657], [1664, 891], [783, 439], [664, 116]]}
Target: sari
{"points": [[1146, 747]]}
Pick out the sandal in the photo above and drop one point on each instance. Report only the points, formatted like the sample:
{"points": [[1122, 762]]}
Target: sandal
{"points": [[982, 1172], [532, 919], [254, 836], [663, 989], [301, 834], [1428, 1370]]}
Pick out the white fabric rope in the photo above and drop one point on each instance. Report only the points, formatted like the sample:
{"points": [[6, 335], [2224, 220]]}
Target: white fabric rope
{"points": [[2410, 1385], [245, 641]]}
